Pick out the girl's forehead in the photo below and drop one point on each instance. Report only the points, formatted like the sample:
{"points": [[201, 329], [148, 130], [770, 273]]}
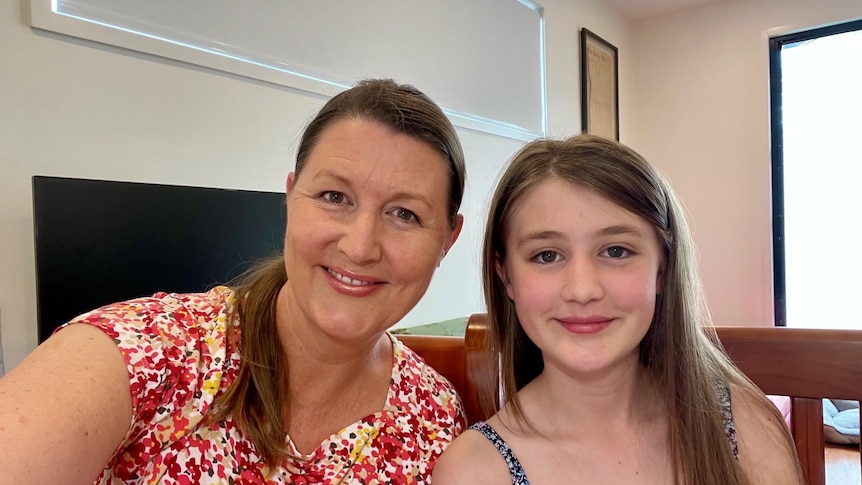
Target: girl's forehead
{"points": [[555, 190], [556, 203]]}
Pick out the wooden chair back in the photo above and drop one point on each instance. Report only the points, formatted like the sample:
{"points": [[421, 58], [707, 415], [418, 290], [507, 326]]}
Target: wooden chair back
{"points": [[462, 360], [805, 364]]}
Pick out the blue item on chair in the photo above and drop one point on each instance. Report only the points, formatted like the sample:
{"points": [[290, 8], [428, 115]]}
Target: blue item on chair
{"points": [[841, 421]]}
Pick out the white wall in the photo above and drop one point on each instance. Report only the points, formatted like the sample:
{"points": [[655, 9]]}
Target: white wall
{"points": [[701, 100], [70, 108]]}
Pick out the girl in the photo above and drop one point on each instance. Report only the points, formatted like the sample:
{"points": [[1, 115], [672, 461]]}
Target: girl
{"points": [[611, 372]]}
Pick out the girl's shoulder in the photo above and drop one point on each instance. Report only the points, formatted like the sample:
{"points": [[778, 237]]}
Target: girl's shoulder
{"points": [[766, 450], [471, 459]]}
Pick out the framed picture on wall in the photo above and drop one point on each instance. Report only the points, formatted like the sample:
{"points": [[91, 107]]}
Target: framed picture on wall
{"points": [[599, 86]]}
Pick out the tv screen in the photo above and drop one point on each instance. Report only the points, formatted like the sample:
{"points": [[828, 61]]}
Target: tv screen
{"points": [[99, 242]]}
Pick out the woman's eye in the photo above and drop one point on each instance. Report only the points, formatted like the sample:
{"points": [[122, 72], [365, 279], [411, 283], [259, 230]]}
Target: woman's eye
{"points": [[406, 215], [333, 197], [617, 252], [546, 257]]}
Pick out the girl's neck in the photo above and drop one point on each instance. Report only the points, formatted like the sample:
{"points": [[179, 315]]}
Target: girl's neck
{"points": [[560, 403]]}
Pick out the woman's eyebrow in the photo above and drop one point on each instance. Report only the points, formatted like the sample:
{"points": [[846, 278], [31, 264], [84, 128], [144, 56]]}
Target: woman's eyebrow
{"points": [[328, 173], [402, 195]]}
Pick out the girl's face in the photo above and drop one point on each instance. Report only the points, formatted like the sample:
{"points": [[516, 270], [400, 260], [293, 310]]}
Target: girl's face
{"points": [[583, 274]]}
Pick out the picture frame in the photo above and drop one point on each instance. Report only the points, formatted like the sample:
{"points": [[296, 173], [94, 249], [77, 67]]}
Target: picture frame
{"points": [[599, 86]]}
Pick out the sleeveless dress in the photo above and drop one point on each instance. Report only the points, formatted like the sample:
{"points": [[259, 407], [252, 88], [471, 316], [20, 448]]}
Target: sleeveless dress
{"points": [[519, 477]]}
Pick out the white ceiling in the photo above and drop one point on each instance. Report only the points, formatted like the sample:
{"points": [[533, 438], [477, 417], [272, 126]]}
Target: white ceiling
{"points": [[642, 9]]}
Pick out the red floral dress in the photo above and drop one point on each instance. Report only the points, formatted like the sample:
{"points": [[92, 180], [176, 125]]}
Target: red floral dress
{"points": [[180, 355]]}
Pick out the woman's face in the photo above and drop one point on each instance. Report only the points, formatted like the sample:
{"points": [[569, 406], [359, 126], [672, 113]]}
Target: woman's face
{"points": [[583, 274], [367, 226]]}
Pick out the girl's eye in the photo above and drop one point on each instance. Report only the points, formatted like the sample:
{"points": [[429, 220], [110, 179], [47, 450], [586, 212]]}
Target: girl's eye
{"points": [[617, 252], [547, 257], [333, 197], [406, 215]]}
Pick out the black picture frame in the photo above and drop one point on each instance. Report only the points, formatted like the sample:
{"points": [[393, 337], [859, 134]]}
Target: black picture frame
{"points": [[600, 113]]}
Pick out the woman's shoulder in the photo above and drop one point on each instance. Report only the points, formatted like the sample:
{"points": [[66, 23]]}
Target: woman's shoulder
{"points": [[181, 315], [179, 348]]}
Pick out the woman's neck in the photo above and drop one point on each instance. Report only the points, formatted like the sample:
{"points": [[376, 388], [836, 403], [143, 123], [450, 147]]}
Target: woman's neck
{"points": [[331, 383], [317, 360]]}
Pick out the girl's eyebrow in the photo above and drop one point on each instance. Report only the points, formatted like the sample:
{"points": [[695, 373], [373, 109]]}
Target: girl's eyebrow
{"points": [[538, 235], [615, 230], [622, 229]]}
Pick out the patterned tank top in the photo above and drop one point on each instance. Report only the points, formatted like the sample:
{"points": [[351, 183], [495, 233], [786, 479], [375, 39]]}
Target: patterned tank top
{"points": [[519, 477]]}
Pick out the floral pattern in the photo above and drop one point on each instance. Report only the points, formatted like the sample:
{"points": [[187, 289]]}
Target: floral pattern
{"points": [[180, 350]]}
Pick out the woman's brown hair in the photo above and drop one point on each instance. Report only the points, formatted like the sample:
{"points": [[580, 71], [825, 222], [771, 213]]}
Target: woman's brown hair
{"points": [[256, 397], [680, 351]]}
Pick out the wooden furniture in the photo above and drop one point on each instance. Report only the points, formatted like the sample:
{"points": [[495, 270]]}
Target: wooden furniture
{"points": [[462, 360], [805, 364]]}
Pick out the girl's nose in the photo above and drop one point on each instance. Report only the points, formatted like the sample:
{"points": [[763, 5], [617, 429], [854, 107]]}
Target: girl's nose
{"points": [[582, 281]]}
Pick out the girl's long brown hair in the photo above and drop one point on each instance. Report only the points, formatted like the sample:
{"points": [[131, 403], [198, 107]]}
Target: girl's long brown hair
{"points": [[255, 400], [680, 351]]}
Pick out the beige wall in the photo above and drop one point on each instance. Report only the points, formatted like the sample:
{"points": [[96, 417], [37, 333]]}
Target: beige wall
{"points": [[693, 96], [70, 108], [702, 114]]}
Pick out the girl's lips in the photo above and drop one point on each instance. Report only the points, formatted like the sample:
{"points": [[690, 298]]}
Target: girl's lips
{"points": [[585, 320], [585, 325]]}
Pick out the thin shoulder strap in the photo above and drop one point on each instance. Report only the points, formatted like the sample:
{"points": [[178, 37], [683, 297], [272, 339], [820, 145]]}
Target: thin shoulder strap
{"points": [[515, 468], [723, 391]]}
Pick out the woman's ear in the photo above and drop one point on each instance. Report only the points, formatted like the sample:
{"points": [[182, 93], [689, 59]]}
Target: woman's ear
{"points": [[456, 231], [291, 178]]}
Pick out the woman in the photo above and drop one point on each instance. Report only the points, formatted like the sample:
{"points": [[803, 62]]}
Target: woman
{"points": [[610, 369], [278, 379]]}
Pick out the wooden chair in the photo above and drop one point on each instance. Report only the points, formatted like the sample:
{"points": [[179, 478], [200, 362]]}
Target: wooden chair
{"points": [[805, 364], [462, 360]]}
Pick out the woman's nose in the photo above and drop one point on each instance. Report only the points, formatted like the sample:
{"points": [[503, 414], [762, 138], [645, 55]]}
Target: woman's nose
{"points": [[362, 238]]}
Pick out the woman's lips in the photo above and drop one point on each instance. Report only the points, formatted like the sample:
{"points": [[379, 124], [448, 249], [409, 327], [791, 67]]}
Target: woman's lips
{"points": [[351, 285], [347, 280]]}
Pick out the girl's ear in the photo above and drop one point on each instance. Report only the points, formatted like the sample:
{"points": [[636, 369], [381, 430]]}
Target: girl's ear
{"points": [[500, 268], [659, 277]]}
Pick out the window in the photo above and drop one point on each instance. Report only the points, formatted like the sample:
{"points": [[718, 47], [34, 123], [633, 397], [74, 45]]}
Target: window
{"points": [[816, 107]]}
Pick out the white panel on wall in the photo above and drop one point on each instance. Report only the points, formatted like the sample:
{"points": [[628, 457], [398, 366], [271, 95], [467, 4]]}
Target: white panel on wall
{"points": [[466, 55]]}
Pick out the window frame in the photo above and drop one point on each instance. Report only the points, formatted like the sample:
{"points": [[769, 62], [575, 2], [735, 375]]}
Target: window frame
{"points": [[779, 275]]}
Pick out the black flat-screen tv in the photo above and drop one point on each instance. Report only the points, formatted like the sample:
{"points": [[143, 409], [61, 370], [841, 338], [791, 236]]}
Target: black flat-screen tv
{"points": [[98, 242]]}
